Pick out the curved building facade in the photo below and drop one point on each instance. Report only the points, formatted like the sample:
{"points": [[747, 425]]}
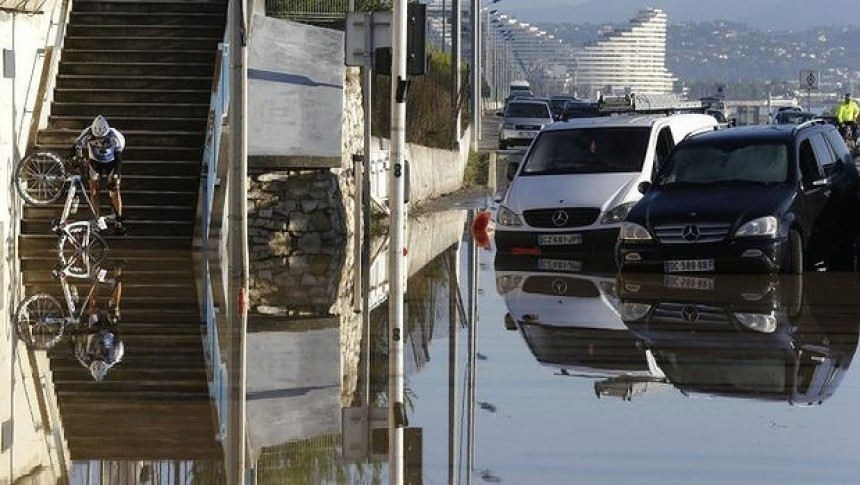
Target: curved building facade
{"points": [[628, 59]]}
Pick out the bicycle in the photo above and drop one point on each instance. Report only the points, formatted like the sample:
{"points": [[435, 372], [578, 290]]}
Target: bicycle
{"points": [[40, 179], [40, 319]]}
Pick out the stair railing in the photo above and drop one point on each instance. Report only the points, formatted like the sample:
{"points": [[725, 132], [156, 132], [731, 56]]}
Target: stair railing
{"points": [[44, 95], [209, 176]]}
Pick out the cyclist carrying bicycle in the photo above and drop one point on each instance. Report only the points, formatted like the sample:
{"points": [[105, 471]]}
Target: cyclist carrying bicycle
{"points": [[102, 146], [101, 346], [846, 115]]}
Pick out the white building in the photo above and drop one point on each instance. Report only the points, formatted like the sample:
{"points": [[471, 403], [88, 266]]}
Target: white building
{"points": [[628, 59]]}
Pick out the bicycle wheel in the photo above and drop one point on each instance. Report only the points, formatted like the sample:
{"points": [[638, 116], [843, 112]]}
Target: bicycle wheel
{"points": [[40, 177], [81, 249], [39, 321]]}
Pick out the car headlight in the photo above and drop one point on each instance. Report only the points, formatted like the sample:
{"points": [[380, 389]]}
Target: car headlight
{"points": [[757, 321], [617, 214], [633, 311], [508, 126], [761, 227], [508, 283], [630, 231], [506, 217]]}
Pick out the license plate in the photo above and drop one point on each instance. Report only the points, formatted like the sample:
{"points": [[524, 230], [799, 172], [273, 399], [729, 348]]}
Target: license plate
{"points": [[689, 283], [559, 239], [527, 134], [558, 265], [688, 265]]}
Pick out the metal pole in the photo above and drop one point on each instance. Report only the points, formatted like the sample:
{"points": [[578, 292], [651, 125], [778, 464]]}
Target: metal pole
{"points": [[238, 242], [363, 171], [456, 34], [476, 71], [397, 248], [473, 329], [444, 25], [453, 419]]}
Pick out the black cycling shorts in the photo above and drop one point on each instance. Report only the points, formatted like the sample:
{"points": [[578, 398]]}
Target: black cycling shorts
{"points": [[105, 173]]}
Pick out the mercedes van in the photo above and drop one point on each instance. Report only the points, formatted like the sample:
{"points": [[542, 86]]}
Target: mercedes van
{"points": [[578, 179]]}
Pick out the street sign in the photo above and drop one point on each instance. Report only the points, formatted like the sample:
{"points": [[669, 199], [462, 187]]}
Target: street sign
{"points": [[809, 79], [356, 49]]}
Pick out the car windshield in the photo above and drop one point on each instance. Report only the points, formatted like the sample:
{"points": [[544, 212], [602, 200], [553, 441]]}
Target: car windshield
{"points": [[751, 162], [527, 110], [793, 117], [588, 150]]}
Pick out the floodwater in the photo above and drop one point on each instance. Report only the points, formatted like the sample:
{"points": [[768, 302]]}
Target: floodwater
{"points": [[571, 373]]}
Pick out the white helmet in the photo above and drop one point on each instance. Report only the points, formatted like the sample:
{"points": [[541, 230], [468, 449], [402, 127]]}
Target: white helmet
{"points": [[100, 126], [99, 369]]}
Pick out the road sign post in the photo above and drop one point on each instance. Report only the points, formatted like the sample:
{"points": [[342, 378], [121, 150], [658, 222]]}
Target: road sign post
{"points": [[809, 81]]}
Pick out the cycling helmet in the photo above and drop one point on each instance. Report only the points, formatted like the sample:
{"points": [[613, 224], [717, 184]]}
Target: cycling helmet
{"points": [[100, 126], [99, 369]]}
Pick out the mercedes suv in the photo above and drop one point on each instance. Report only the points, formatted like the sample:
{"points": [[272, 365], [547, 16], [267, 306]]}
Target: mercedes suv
{"points": [[759, 198]]}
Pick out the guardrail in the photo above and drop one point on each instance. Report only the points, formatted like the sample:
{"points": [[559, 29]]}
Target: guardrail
{"points": [[218, 105], [216, 366]]}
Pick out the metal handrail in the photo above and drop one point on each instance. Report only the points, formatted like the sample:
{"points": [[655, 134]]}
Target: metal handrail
{"points": [[50, 67], [218, 110]]}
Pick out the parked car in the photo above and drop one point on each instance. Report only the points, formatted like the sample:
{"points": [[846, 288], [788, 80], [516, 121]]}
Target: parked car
{"points": [[791, 117], [557, 103], [522, 120], [758, 198], [578, 179]]}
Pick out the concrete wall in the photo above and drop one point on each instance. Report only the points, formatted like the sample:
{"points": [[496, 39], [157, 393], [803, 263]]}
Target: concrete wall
{"points": [[295, 95], [29, 453]]}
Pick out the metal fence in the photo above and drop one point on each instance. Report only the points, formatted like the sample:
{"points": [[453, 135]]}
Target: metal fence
{"points": [[309, 11]]}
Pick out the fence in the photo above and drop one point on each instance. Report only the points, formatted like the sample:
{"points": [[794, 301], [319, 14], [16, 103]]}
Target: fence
{"points": [[309, 11]]}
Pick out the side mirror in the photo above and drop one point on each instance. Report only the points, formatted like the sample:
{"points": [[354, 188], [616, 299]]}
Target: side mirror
{"points": [[512, 170], [643, 186]]}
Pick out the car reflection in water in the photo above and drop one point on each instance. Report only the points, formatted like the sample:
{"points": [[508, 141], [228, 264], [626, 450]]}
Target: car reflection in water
{"points": [[758, 337], [568, 314]]}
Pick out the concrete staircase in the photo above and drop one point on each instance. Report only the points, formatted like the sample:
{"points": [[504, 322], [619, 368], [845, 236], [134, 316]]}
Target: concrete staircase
{"points": [[154, 404], [147, 66]]}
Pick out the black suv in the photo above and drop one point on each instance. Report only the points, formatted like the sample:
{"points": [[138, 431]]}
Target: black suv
{"points": [[749, 199]]}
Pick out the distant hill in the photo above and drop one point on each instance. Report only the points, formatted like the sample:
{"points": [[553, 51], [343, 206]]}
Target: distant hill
{"points": [[763, 14]]}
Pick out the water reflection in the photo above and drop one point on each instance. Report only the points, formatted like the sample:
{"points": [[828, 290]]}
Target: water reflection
{"points": [[768, 337], [567, 312]]}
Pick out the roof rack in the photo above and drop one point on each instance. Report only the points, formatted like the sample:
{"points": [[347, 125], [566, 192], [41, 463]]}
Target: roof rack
{"points": [[649, 103], [807, 124]]}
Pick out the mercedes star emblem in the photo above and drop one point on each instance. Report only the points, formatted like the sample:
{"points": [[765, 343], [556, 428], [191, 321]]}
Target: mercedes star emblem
{"points": [[559, 218], [559, 286], [690, 314], [690, 232]]}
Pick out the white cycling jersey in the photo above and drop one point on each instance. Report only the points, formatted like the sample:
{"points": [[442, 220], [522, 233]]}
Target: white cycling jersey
{"points": [[101, 150]]}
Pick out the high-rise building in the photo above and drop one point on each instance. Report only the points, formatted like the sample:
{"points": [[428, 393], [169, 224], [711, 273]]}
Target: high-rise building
{"points": [[631, 59]]}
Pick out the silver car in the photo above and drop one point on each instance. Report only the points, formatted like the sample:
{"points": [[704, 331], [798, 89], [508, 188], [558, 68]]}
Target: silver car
{"points": [[522, 120]]}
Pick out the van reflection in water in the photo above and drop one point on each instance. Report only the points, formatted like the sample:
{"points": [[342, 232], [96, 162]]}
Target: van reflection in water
{"points": [[567, 312], [758, 337]]}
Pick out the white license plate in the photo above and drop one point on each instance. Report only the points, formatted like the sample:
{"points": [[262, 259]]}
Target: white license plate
{"points": [[689, 282], [527, 134], [544, 264], [688, 265], [559, 239]]}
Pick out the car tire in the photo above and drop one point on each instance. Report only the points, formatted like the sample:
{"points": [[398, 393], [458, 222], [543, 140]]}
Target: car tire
{"points": [[793, 261]]}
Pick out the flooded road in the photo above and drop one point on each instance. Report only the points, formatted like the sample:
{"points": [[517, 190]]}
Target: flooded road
{"points": [[571, 374]]}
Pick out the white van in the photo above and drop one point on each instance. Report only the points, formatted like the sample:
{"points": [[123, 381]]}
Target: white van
{"points": [[579, 178]]}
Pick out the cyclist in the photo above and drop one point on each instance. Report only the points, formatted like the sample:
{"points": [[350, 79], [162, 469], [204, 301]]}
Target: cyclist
{"points": [[101, 347], [103, 146], [846, 115]]}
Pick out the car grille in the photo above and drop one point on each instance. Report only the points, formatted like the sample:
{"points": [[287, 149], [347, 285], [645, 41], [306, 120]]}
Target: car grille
{"points": [[688, 313], [694, 233], [575, 217], [561, 286], [528, 127]]}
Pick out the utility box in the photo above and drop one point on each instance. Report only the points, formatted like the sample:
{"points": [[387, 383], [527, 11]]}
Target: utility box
{"points": [[8, 64]]}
